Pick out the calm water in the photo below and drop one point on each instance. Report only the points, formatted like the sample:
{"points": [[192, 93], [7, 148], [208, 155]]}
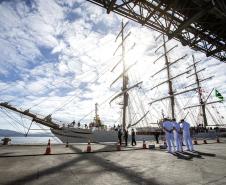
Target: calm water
{"points": [[33, 140]]}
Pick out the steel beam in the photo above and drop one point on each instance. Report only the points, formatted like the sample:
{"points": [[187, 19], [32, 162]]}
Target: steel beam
{"points": [[110, 7], [187, 21]]}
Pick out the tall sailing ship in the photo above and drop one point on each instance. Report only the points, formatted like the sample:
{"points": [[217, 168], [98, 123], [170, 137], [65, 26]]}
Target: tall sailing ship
{"points": [[69, 132], [95, 131]]}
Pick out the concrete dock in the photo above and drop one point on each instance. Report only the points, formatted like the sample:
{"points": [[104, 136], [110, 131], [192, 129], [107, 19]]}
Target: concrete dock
{"points": [[25, 165]]}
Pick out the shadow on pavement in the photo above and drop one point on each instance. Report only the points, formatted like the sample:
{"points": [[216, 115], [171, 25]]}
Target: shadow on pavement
{"points": [[107, 165]]}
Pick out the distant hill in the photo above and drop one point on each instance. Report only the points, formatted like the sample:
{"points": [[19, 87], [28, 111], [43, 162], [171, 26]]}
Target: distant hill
{"points": [[12, 133], [5, 133]]}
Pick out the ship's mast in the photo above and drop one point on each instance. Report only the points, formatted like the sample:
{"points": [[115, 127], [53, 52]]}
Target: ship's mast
{"points": [[170, 78], [125, 80], [202, 102], [96, 115], [124, 75], [170, 86], [203, 106]]}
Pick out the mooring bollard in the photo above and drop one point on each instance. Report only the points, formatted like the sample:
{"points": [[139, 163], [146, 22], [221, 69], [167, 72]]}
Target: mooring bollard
{"points": [[204, 141], [118, 146], [195, 141], [6, 141], [144, 145], [218, 140]]}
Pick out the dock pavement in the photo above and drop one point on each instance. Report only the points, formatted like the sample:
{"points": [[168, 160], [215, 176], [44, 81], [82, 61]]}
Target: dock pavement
{"points": [[105, 165]]}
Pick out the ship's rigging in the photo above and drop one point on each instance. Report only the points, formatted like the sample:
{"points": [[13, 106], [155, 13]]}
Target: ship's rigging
{"points": [[125, 81], [170, 78], [173, 93], [128, 109], [133, 119], [202, 103]]}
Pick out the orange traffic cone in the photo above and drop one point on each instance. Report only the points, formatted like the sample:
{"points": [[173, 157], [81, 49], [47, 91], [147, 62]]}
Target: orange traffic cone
{"points": [[118, 146], [48, 149], [195, 141], [88, 150], [218, 140], [204, 141], [144, 145]]}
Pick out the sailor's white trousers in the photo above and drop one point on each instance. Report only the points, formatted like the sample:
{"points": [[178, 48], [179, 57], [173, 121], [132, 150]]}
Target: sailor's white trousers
{"points": [[188, 141]]}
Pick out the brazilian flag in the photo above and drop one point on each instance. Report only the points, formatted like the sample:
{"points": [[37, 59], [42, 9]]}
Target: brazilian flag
{"points": [[218, 95]]}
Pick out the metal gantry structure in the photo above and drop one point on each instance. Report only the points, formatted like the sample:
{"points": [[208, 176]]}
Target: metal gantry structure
{"points": [[199, 24]]}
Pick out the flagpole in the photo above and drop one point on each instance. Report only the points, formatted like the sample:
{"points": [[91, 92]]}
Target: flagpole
{"points": [[208, 96]]}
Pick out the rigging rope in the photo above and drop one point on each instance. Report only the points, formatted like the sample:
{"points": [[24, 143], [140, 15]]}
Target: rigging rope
{"points": [[11, 123], [22, 122], [103, 102], [72, 98]]}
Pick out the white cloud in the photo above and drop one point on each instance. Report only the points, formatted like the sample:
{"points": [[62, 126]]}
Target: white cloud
{"points": [[59, 61]]}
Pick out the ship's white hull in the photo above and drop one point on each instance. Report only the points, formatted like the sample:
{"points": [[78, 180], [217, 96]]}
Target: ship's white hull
{"points": [[76, 135]]}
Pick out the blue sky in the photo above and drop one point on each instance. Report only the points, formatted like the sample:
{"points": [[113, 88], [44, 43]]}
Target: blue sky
{"points": [[56, 57]]}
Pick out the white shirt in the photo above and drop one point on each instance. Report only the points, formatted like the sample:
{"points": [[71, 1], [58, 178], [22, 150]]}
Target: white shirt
{"points": [[186, 127], [177, 127], [167, 125]]}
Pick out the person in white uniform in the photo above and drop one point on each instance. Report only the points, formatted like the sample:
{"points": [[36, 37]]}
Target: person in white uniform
{"points": [[177, 135], [168, 129], [185, 126]]}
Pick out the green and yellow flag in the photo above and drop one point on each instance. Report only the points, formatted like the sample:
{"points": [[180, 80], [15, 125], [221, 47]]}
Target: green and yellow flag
{"points": [[218, 95]]}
